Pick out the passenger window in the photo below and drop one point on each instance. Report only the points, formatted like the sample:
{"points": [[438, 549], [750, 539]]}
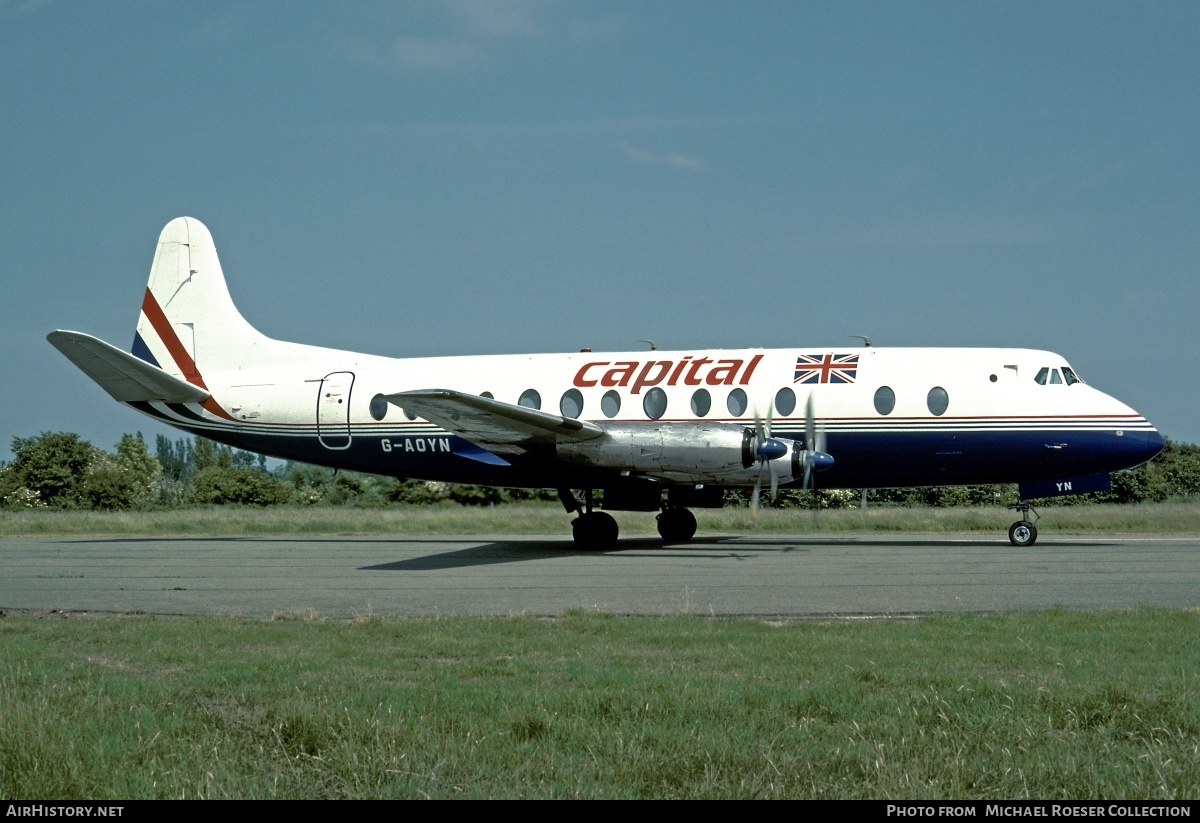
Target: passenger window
{"points": [[938, 401], [785, 401], [610, 404], [1042, 375], [736, 402], [530, 399], [571, 404], [885, 400], [378, 407], [701, 402], [655, 403]]}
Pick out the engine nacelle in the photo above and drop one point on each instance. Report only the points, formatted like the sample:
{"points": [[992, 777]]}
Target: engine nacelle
{"points": [[719, 454]]}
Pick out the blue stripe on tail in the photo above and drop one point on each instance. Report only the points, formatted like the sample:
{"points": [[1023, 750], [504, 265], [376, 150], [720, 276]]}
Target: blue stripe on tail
{"points": [[140, 349]]}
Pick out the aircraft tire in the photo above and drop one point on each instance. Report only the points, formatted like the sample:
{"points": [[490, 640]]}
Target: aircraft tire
{"points": [[677, 525], [1022, 533], [595, 532]]}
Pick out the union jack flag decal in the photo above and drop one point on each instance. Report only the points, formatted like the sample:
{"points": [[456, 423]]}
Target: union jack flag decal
{"points": [[826, 368]]}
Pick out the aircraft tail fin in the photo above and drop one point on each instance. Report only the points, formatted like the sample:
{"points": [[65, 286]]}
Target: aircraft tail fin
{"points": [[188, 322]]}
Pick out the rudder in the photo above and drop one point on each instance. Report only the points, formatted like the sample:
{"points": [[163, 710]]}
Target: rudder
{"points": [[188, 322]]}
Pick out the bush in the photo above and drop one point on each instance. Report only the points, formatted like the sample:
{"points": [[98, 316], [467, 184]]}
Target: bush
{"points": [[52, 465], [223, 485]]}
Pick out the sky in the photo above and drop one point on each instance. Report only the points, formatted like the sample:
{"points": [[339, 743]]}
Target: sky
{"points": [[487, 176]]}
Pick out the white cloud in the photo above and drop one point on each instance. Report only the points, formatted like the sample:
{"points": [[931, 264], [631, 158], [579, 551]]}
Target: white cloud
{"points": [[21, 8], [649, 158], [495, 19], [432, 52], [451, 34]]}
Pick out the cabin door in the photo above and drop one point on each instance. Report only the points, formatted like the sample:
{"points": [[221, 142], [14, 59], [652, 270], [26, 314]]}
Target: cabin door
{"points": [[333, 410]]}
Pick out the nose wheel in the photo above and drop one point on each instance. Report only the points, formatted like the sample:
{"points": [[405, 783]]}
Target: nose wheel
{"points": [[1023, 532]]}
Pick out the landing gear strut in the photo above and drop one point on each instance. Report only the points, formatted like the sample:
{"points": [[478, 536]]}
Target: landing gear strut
{"points": [[676, 525], [1024, 532], [593, 531]]}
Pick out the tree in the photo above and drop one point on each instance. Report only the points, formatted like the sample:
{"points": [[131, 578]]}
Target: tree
{"points": [[175, 457], [51, 465], [130, 479]]}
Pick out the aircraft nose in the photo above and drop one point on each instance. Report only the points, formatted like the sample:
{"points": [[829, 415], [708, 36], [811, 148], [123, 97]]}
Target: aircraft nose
{"points": [[1153, 443], [1138, 447]]}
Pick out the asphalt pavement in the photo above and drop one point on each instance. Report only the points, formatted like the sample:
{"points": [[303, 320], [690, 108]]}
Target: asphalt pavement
{"points": [[778, 576]]}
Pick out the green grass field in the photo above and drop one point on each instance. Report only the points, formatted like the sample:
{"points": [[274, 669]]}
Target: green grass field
{"points": [[1040, 705], [1145, 518], [1053, 704]]}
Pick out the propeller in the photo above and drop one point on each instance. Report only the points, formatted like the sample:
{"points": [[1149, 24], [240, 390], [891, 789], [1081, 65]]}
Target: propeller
{"points": [[815, 457], [767, 449]]}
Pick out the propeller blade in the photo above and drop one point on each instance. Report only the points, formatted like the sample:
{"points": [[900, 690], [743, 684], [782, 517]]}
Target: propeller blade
{"points": [[810, 436], [815, 457]]}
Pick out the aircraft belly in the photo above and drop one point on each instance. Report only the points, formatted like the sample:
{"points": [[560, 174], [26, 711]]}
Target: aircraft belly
{"points": [[881, 460]]}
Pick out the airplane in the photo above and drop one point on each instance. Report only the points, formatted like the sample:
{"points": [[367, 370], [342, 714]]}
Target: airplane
{"points": [[664, 431]]}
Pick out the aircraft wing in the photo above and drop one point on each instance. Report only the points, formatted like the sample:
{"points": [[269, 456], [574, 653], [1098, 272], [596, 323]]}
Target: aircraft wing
{"points": [[126, 377], [498, 427]]}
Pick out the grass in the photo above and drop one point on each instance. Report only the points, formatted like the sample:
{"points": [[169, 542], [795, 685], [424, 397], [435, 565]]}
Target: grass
{"points": [[1151, 518], [1044, 705]]}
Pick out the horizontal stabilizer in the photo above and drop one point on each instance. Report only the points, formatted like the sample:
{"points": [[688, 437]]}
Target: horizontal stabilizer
{"points": [[497, 427], [126, 377]]}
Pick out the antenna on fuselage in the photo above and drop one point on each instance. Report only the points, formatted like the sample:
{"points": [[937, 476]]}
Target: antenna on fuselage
{"points": [[866, 340], [653, 345]]}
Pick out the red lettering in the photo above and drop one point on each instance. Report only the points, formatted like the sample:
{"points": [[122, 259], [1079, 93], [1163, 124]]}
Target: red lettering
{"points": [[580, 380], [619, 377], [678, 370], [692, 379], [644, 379], [655, 372], [724, 373], [750, 369]]}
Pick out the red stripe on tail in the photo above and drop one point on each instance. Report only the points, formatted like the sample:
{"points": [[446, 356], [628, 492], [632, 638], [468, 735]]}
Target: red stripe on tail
{"points": [[166, 332]]}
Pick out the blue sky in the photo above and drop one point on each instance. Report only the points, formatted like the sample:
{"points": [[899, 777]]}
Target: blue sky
{"points": [[486, 177]]}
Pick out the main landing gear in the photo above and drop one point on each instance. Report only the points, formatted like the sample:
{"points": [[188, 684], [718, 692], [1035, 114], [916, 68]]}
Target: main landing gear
{"points": [[1024, 532], [676, 524], [593, 531], [596, 531]]}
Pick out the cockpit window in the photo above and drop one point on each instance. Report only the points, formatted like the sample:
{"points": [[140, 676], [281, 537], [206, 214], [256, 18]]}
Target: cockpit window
{"points": [[1047, 375]]}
